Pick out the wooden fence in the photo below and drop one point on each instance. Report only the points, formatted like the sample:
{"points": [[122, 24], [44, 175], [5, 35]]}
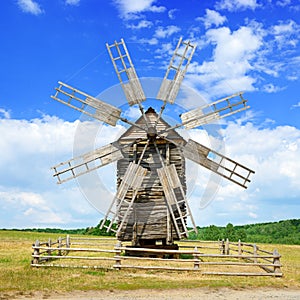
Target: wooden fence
{"points": [[208, 258]]}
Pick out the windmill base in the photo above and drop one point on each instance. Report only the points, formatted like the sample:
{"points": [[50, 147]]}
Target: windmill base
{"points": [[151, 244]]}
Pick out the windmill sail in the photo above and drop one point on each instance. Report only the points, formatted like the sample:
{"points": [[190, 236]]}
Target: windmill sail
{"points": [[88, 162], [217, 163], [126, 72], [176, 199], [217, 110], [176, 70], [121, 207], [86, 104]]}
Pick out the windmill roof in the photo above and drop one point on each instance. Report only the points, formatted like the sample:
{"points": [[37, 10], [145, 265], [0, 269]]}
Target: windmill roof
{"points": [[134, 133]]}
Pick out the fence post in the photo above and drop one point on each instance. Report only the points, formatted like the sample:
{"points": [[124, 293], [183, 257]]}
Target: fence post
{"points": [[118, 246], [59, 241], [196, 259], [276, 262], [223, 247], [36, 251], [227, 247], [68, 241], [240, 247], [255, 252], [49, 246]]}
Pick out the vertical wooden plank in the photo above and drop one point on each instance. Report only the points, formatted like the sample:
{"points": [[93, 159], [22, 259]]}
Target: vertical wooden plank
{"points": [[196, 259], [49, 247], [68, 243], [239, 247], [167, 154], [222, 248], [117, 257], [59, 241], [36, 251], [255, 252], [276, 262], [227, 247]]}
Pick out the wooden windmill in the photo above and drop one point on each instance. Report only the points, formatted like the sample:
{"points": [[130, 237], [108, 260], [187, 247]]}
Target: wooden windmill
{"points": [[150, 204]]}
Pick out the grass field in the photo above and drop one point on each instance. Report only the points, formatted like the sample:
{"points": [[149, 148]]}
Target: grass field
{"points": [[16, 274]]}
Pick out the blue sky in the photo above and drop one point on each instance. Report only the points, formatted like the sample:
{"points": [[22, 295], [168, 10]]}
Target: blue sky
{"points": [[242, 45]]}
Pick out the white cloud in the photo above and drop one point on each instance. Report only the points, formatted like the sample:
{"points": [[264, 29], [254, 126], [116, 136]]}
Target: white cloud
{"points": [[152, 41], [29, 196], [130, 9], [163, 32], [72, 2], [30, 6], [171, 13], [283, 3], [133, 113], [271, 88], [273, 154], [212, 17], [286, 33], [29, 209], [5, 113], [235, 5], [140, 25], [296, 105], [231, 64]]}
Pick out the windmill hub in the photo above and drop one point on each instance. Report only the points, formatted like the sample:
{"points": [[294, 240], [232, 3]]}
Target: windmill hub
{"points": [[151, 133]]}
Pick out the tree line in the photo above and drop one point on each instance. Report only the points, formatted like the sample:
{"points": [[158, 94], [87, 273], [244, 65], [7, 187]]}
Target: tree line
{"points": [[282, 232]]}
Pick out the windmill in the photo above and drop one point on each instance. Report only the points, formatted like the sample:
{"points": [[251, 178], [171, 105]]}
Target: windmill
{"points": [[150, 204]]}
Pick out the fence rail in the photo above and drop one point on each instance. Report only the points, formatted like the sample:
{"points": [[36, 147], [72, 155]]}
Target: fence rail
{"points": [[208, 258]]}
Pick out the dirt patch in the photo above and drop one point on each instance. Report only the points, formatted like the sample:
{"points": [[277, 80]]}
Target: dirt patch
{"points": [[174, 294]]}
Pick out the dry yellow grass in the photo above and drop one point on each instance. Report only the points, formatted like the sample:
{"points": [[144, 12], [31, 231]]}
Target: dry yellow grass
{"points": [[17, 275]]}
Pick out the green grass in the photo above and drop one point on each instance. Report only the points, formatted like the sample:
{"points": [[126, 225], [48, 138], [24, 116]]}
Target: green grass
{"points": [[16, 274]]}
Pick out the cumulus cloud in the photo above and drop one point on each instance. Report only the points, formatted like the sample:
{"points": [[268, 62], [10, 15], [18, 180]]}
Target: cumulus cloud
{"points": [[171, 13], [164, 32], [231, 63], [271, 88], [73, 2], [141, 24], [286, 33], [131, 9], [30, 6], [133, 113], [283, 3], [212, 17], [296, 105], [152, 41], [5, 113], [235, 5], [29, 196], [273, 154]]}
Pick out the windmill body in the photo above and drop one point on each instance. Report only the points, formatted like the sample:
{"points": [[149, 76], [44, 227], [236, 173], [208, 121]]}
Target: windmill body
{"points": [[149, 220], [150, 204]]}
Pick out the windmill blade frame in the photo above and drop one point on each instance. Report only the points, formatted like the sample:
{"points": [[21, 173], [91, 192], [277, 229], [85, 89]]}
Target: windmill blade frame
{"points": [[126, 72], [175, 198], [216, 110], [179, 64], [87, 162], [133, 178], [84, 103], [173, 190], [218, 163]]}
